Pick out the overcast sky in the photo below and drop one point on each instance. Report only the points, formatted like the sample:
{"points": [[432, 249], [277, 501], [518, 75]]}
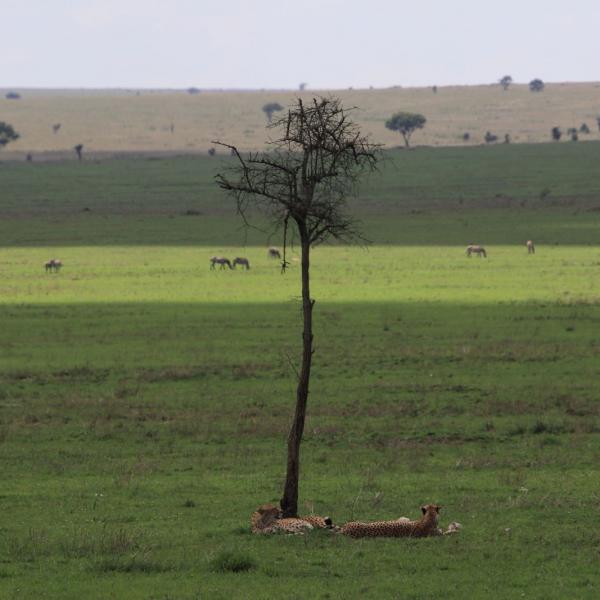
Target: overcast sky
{"points": [[280, 43]]}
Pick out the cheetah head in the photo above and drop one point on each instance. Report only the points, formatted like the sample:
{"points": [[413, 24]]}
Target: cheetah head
{"points": [[267, 513], [431, 509]]}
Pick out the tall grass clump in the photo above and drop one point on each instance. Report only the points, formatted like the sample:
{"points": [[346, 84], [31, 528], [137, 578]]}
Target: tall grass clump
{"points": [[232, 561]]}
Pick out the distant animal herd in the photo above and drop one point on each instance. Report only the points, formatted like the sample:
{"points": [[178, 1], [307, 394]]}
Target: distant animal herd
{"points": [[273, 252], [480, 250], [223, 262], [54, 265]]}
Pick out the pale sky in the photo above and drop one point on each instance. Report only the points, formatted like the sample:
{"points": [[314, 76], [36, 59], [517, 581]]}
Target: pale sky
{"points": [[280, 43]]}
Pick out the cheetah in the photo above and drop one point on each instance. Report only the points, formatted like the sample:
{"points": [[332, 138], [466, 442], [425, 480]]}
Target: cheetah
{"points": [[318, 522], [267, 519], [426, 526]]}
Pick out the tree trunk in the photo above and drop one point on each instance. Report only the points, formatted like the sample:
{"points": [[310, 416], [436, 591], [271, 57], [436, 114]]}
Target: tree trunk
{"points": [[289, 502]]}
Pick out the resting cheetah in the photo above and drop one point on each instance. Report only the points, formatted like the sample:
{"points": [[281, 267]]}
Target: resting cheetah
{"points": [[426, 526], [267, 519]]}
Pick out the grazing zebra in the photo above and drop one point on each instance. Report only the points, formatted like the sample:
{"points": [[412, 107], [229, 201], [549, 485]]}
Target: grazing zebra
{"points": [[530, 247], [240, 260], [272, 252], [473, 248], [220, 260], [54, 264]]}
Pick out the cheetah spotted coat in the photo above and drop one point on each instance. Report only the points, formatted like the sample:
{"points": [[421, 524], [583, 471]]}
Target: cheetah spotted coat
{"points": [[426, 526], [267, 519]]}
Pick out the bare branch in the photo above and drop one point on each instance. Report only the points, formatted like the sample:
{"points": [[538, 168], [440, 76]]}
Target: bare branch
{"points": [[292, 365]]}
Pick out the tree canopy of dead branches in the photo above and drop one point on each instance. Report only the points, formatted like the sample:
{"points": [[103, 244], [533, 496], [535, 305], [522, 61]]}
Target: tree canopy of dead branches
{"points": [[307, 173]]}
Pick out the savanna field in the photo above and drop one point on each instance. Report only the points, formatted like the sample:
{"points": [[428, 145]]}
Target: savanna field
{"points": [[145, 399], [174, 121]]}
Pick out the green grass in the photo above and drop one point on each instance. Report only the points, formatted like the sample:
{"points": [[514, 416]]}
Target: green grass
{"points": [[145, 400], [450, 196]]}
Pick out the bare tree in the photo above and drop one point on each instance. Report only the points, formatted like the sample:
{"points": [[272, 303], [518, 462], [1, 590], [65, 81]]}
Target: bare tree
{"points": [[303, 181], [79, 151]]}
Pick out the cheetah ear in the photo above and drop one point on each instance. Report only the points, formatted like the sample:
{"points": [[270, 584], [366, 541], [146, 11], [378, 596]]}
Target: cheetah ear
{"points": [[424, 509], [438, 508]]}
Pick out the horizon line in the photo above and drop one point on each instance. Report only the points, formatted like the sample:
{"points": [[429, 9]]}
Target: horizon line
{"points": [[275, 89]]}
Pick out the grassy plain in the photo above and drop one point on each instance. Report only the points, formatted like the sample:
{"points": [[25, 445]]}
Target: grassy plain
{"points": [[140, 120], [144, 399]]}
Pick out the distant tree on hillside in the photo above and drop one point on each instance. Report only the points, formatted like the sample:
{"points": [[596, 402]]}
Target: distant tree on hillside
{"points": [[13, 96], [270, 108], [556, 134], [56, 127], [302, 183], [536, 85], [79, 151], [434, 89], [490, 137], [505, 82], [302, 86], [7, 134], [507, 138], [572, 131], [466, 136], [192, 90], [584, 128], [406, 124], [598, 121]]}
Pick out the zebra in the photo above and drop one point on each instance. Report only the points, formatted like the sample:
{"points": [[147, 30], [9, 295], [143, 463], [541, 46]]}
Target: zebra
{"points": [[54, 264], [273, 252], [474, 248], [239, 260], [530, 247], [220, 260]]}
